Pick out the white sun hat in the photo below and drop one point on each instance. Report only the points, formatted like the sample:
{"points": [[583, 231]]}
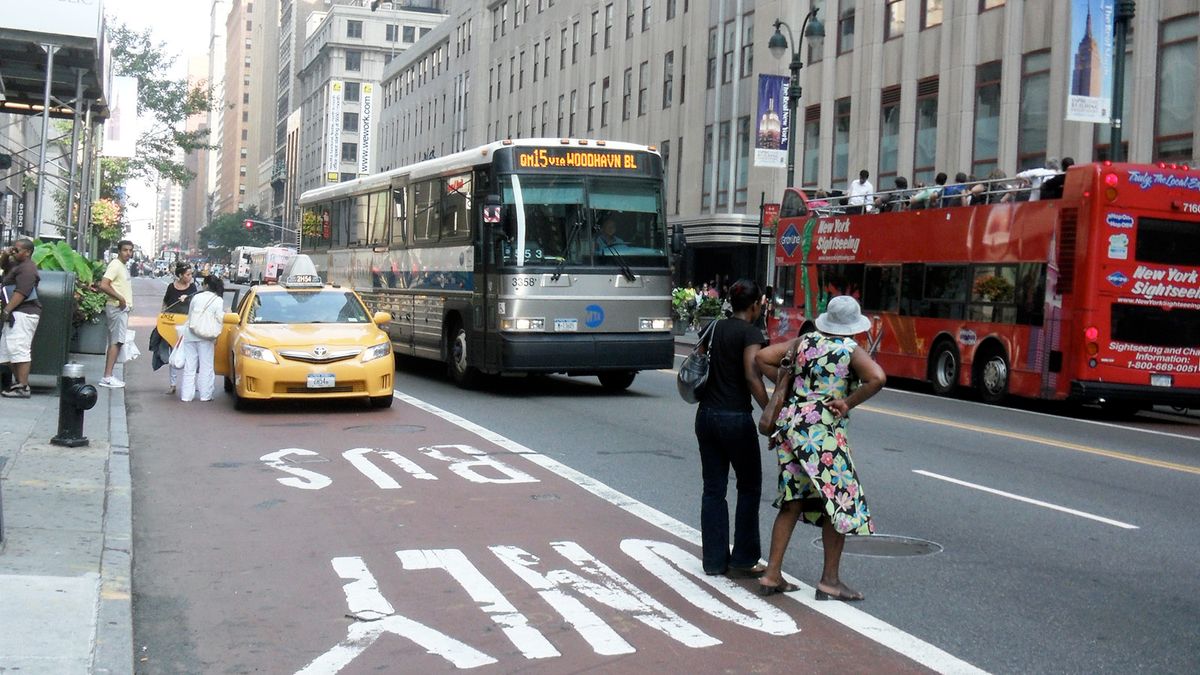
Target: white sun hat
{"points": [[843, 317]]}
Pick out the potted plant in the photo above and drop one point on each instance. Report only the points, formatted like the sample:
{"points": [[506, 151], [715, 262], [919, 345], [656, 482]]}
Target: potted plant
{"points": [[89, 334], [683, 304], [708, 309]]}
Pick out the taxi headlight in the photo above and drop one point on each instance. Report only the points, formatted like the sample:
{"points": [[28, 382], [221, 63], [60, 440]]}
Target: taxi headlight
{"points": [[654, 323], [258, 353], [523, 324], [377, 352]]}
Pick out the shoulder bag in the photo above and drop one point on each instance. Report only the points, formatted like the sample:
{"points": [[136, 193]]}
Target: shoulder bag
{"points": [[783, 391], [204, 324], [693, 374]]}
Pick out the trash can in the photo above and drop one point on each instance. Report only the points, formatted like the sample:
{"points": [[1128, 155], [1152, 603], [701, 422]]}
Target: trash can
{"points": [[52, 341]]}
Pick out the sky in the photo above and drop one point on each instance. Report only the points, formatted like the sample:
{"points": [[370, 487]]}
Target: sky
{"points": [[183, 26]]}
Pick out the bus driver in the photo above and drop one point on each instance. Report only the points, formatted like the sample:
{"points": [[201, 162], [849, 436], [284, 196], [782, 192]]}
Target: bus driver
{"points": [[608, 234]]}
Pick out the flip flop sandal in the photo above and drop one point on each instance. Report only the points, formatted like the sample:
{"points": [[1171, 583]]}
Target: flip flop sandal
{"points": [[746, 572], [822, 595], [785, 587]]}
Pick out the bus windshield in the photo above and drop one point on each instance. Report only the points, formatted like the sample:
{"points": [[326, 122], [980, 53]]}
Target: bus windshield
{"points": [[583, 221]]}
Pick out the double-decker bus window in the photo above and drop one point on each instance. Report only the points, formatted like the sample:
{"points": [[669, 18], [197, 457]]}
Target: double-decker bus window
{"points": [[792, 206], [1031, 293], [1167, 242], [912, 288], [946, 289], [456, 208], [1160, 326], [993, 293], [835, 280], [881, 288], [785, 284]]}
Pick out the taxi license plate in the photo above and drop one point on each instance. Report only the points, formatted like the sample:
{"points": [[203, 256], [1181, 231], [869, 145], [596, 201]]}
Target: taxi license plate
{"points": [[1162, 381], [566, 325], [320, 380]]}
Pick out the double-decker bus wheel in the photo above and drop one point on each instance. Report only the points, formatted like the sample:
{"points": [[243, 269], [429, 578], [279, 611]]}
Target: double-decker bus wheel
{"points": [[944, 364], [464, 375], [618, 380], [991, 375]]}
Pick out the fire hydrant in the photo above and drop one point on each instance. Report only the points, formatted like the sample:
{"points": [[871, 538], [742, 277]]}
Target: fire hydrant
{"points": [[74, 397]]}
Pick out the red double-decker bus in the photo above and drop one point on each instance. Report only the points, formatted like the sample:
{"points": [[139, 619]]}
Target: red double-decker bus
{"points": [[1094, 296]]}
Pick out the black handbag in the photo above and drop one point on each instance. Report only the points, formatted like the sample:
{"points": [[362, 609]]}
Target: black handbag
{"points": [[693, 373]]}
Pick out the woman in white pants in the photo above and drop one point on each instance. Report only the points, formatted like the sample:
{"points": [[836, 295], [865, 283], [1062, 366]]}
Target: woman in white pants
{"points": [[207, 308]]}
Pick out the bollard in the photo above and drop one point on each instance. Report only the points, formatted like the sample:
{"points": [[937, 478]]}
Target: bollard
{"points": [[74, 397]]}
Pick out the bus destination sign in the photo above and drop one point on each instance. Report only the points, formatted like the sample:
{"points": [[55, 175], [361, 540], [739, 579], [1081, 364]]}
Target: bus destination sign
{"points": [[600, 160]]}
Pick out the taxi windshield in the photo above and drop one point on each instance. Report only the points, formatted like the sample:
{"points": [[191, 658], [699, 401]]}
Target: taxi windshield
{"points": [[322, 306]]}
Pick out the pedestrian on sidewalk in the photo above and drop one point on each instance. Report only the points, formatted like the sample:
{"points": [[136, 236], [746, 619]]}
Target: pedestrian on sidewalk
{"points": [[176, 300], [20, 314], [728, 437], [116, 285], [206, 308], [817, 480]]}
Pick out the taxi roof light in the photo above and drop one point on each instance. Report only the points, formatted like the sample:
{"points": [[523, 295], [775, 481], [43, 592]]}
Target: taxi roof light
{"points": [[301, 272]]}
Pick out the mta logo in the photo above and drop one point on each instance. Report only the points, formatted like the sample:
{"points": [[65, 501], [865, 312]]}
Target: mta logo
{"points": [[790, 240], [595, 316], [1117, 279]]}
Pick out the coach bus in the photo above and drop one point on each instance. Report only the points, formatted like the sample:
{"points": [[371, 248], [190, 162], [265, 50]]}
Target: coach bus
{"points": [[1093, 297], [520, 256]]}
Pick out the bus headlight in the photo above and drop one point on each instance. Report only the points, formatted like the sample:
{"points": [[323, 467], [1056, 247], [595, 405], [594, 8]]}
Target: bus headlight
{"points": [[523, 324], [258, 353], [377, 352], [654, 323]]}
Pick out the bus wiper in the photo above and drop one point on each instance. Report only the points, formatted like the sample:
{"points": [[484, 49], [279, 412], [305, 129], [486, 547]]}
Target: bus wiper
{"points": [[571, 237], [626, 270]]}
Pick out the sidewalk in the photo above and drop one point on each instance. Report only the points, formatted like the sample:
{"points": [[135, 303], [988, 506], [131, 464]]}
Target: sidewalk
{"points": [[65, 602]]}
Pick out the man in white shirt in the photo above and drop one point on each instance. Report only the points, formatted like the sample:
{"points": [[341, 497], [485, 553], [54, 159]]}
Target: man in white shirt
{"points": [[859, 194], [1034, 178]]}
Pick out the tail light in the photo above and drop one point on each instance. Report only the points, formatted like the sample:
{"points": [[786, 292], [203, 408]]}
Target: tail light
{"points": [[1092, 347]]}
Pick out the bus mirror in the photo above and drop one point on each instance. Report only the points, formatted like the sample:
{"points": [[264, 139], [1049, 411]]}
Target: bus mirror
{"points": [[677, 239], [491, 211]]}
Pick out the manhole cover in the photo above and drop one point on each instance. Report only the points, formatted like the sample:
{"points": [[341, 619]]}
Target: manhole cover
{"points": [[887, 546], [393, 428]]}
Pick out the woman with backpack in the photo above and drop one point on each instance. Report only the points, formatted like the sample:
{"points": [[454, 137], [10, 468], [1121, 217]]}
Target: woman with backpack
{"points": [[206, 311]]}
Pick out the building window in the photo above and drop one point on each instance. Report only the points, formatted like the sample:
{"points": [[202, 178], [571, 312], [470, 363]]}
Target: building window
{"points": [[627, 94], [562, 49], [245, 135], [408, 34], [423, 32], [575, 43], [545, 115], [1035, 107], [350, 91], [591, 106], [349, 121], [536, 59], [546, 54], [925, 148], [893, 19], [521, 70], [533, 121], [245, 115], [562, 104], [664, 150], [985, 5], [931, 13], [1175, 102], [573, 109], [812, 145], [645, 15], [986, 152], [723, 166], [682, 79], [246, 98], [889, 131], [504, 19], [742, 178], [668, 78], [353, 60], [242, 170], [706, 174], [747, 60], [629, 15], [711, 69], [608, 25], [391, 33], [846, 29], [727, 52], [604, 93], [512, 73], [670, 15], [354, 29], [595, 41], [643, 85], [841, 141]]}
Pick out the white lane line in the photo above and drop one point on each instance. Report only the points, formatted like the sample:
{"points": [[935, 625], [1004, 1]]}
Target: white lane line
{"points": [[855, 619], [1027, 500]]}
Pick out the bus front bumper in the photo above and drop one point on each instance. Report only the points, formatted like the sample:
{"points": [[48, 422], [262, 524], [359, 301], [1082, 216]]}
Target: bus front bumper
{"points": [[583, 353], [1090, 392]]}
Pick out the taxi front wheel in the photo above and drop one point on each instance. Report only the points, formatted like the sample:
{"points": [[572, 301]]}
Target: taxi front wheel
{"points": [[381, 401]]}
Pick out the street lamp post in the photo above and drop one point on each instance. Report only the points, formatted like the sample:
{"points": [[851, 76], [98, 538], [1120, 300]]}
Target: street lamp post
{"points": [[1121, 21], [778, 44]]}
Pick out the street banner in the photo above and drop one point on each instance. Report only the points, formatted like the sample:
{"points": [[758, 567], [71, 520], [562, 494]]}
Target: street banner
{"points": [[770, 216], [772, 134], [1090, 96], [365, 117], [121, 127], [333, 134]]}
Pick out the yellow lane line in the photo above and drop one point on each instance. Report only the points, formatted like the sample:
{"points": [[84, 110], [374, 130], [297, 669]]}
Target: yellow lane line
{"points": [[1173, 466]]}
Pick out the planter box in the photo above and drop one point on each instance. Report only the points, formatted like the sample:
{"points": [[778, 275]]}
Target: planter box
{"points": [[90, 338]]}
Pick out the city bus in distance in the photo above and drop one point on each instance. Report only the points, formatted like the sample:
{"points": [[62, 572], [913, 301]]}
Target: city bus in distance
{"points": [[519, 256], [239, 263], [1093, 297]]}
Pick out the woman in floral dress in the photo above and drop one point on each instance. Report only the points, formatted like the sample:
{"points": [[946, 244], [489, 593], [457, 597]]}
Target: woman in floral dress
{"points": [[817, 481]]}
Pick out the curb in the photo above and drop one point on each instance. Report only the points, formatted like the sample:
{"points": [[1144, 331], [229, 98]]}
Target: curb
{"points": [[113, 653]]}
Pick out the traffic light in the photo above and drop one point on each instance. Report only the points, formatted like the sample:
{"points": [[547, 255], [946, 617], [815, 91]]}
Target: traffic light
{"points": [[249, 224]]}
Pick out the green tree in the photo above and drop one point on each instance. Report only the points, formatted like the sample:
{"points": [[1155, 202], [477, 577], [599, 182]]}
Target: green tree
{"points": [[228, 231]]}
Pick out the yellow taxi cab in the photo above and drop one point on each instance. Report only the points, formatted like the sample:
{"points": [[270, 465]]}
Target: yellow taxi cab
{"points": [[303, 339]]}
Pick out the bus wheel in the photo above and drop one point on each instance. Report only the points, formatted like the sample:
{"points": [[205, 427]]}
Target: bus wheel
{"points": [[991, 378], [943, 369], [617, 380], [464, 375]]}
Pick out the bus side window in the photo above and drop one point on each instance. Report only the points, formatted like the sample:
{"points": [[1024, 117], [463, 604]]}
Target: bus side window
{"points": [[912, 288], [881, 288], [399, 217]]}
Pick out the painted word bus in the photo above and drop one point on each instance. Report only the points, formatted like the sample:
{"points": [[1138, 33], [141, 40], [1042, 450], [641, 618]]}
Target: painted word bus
{"points": [[1093, 296], [520, 256]]}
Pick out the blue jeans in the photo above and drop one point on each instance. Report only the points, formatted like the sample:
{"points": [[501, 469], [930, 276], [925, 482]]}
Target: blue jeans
{"points": [[729, 438]]}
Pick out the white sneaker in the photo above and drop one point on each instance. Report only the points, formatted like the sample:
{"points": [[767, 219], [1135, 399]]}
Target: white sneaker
{"points": [[110, 382]]}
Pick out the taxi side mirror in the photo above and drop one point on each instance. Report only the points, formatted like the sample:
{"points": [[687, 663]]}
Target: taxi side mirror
{"points": [[381, 318], [230, 319]]}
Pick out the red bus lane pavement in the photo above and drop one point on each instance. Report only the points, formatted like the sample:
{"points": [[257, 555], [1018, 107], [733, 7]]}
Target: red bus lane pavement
{"points": [[333, 538]]}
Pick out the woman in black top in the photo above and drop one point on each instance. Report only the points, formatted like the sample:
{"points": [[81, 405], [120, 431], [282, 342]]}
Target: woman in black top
{"points": [[176, 301], [728, 436]]}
